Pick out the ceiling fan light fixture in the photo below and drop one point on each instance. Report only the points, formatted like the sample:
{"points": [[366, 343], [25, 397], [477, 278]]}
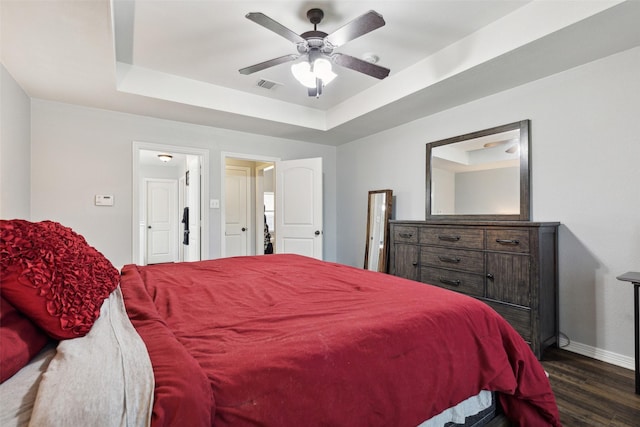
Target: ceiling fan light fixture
{"points": [[307, 73], [322, 70], [515, 148], [302, 72], [493, 144]]}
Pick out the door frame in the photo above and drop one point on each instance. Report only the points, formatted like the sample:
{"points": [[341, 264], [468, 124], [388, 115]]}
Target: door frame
{"points": [[259, 210], [223, 163], [181, 205], [137, 221]]}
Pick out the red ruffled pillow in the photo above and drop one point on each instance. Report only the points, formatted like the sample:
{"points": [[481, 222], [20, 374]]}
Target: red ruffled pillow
{"points": [[20, 340], [52, 275]]}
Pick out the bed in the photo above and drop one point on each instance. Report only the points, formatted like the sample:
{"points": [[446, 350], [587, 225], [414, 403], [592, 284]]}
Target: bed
{"points": [[271, 340]]}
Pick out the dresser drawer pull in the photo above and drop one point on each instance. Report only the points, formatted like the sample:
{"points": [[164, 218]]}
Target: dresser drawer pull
{"points": [[508, 241], [449, 259], [449, 282], [405, 235], [449, 238], [415, 263]]}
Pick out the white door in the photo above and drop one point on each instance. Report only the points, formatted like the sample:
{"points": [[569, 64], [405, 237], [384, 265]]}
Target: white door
{"points": [[298, 213], [162, 221], [237, 193]]}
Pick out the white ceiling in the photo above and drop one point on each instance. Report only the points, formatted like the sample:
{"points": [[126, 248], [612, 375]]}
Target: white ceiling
{"points": [[179, 59]]}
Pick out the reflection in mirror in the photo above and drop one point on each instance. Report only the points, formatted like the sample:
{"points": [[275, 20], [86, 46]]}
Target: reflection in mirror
{"points": [[378, 215], [482, 175]]}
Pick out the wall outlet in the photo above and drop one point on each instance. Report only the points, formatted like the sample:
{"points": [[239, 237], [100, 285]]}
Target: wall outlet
{"points": [[214, 204]]}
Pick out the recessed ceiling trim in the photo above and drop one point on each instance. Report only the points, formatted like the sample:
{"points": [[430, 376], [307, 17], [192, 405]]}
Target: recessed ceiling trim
{"points": [[484, 45], [169, 87], [525, 25], [122, 21]]}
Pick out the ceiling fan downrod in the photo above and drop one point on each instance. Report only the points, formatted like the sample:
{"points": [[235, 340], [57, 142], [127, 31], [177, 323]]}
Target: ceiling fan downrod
{"points": [[315, 17]]}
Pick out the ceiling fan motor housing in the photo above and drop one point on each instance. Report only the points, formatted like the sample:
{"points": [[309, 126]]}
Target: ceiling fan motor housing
{"points": [[315, 15], [315, 40]]}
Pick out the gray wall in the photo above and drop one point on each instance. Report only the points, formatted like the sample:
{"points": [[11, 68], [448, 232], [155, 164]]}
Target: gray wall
{"points": [[15, 149], [489, 191], [78, 152], [585, 174]]}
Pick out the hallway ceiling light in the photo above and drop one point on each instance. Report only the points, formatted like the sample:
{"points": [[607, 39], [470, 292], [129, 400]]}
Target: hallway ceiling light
{"points": [[165, 157]]}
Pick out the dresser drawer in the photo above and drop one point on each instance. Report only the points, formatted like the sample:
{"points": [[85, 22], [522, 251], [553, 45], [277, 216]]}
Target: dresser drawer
{"points": [[509, 277], [403, 233], [508, 240], [519, 318], [468, 283], [468, 238], [459, 259]]}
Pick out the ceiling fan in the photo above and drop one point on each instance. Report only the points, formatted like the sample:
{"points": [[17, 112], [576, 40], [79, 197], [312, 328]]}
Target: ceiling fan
{"points": [[318, 48], [513, 145]]}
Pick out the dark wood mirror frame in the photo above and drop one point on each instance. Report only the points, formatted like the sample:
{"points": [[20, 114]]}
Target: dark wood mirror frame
{"points": [[383, 252], [525, 173]]}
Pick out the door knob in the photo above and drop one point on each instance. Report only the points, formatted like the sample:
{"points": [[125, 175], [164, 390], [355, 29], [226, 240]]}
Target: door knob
{"points": [[149, 227], [244, 229], [317, 233]]}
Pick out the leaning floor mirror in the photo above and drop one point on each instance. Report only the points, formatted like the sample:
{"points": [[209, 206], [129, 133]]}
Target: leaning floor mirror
{"points": [[378, 215]]}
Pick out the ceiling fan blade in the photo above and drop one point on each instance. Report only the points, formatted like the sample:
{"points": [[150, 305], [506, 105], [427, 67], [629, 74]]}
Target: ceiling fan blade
{"points": [[356, 28], [360, 65], [262, 19], [267, 64]]}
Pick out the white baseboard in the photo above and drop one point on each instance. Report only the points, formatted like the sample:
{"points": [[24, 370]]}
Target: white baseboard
{"points": [[598, 354]]}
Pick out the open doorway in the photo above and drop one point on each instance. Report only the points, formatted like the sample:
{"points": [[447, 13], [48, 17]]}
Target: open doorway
{"points": [[293, 191], [170, 222], [248, 210]]}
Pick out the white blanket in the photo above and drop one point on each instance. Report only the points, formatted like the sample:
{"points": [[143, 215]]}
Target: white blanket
{"points": [[104, 378], [18, 393]]}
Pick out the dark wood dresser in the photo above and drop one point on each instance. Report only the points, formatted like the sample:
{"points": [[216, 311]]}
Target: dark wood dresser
{"points": [[510, 265]]}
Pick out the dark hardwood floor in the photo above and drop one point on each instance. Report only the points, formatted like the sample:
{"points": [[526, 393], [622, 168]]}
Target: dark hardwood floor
{"points": [[590, 392]]}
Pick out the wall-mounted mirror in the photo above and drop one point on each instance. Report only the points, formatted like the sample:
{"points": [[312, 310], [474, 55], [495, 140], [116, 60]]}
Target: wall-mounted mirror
{"points": [[482, 175], [378, 216]]}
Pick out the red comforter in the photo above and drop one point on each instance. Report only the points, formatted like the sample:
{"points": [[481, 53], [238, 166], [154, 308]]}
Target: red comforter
{"points": [[284, 340]]}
